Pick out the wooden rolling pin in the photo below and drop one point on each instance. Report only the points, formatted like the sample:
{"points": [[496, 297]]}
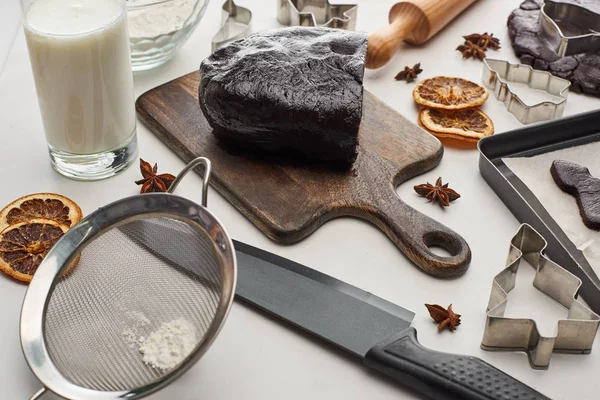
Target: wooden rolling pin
{"points": [[414, 22]]}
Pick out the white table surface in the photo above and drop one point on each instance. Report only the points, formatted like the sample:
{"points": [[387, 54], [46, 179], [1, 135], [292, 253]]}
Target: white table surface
{"points": [[256, 357]]}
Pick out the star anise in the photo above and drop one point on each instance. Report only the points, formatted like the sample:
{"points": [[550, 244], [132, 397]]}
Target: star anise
{"points": [[409, 74], [484, 41], [151, 181], [440, 193], [445, 317], [470, 49]]}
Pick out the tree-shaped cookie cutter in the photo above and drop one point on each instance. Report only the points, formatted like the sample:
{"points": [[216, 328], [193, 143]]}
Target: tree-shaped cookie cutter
{"points": [[575, 334], [499, 74]]}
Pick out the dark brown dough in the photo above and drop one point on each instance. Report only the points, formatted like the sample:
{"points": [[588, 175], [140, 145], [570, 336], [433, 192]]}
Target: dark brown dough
{"points": [[576, 180], [583, 70], [292, 90]]}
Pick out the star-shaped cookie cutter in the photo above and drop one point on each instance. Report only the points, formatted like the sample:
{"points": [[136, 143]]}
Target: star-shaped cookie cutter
{"points": [[574, 335], [317, 12]]}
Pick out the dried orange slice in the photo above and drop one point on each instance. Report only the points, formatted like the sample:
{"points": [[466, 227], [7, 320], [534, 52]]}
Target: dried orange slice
{"points": [[470, 125], [23, 246], [449, 93], [41, 205]]}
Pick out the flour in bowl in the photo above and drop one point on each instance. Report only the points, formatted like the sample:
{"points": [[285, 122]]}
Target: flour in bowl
{"points": [[164, 18], [169, 345]]}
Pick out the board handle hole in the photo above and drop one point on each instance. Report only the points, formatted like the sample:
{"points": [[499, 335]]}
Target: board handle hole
{"points": [[439, 251], [442, 244]]}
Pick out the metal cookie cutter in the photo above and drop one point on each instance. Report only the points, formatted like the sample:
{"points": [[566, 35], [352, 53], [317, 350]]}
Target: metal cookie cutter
{"points": [[575, 334], [497, 74], [235, 23], [317, 12], [570, 16]]}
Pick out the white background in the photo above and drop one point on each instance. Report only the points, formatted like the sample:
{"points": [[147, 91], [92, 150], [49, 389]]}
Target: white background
{"points": [[256, 357]]}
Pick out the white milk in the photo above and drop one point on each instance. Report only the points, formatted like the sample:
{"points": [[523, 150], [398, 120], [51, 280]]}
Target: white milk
{"points": [[79, 52]]}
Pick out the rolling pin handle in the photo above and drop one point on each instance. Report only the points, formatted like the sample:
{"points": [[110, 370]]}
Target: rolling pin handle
{"points": [[384, 42], [412, 21]]}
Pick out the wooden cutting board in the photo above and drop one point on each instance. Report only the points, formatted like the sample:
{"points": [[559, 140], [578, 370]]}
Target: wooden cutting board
{"points": [[288, 202]]}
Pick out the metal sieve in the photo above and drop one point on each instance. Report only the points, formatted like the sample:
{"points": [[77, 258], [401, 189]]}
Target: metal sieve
{"points": [[107, 281]]}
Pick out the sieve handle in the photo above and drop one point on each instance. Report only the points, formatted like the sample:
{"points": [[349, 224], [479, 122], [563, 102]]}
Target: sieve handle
{"points": [[39, 394], [191, 165]]}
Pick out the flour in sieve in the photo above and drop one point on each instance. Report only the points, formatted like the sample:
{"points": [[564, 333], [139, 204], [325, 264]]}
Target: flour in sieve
{"points": [[138, 318], [169, 345], [130, 336], [137, 321], [159, 19]]}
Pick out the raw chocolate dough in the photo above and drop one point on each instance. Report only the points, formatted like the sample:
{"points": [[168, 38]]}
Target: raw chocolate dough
{"points": [[583, 70], [576, 180], [295, 90]]}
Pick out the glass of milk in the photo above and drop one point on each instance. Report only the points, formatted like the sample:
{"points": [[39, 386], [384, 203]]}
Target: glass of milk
{"points": [[79, 52]]}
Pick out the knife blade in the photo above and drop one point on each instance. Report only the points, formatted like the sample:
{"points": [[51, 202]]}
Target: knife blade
{"points": [[367, 326], [359, 322], [293, 292]]}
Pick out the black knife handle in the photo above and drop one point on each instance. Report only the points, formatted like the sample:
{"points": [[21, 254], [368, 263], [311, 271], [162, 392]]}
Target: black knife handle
{"points": [[444, 376]]}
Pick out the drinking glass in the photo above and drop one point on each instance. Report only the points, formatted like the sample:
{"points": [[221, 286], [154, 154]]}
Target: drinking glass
{"points": [[79, 52]]}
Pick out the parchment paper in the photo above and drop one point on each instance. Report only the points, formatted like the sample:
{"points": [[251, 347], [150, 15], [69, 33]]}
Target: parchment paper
{"points": [[535, 173]]}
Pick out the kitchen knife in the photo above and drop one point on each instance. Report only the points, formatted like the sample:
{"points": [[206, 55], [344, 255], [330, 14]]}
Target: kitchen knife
{"points": [[369, 327], [359, 322]]}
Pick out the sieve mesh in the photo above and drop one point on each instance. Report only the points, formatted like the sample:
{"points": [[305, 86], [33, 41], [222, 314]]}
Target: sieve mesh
{"points": [[158, 267]]}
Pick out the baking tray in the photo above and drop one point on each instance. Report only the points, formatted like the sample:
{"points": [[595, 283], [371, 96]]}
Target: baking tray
{"points": [[530, 141]]}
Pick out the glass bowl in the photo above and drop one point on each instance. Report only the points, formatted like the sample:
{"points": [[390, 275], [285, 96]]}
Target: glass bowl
{"points": [[158, 27]]}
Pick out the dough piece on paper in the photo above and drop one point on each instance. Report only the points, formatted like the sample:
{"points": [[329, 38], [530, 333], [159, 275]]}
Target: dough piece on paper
{"points": [[535, 173], [576, 180]]}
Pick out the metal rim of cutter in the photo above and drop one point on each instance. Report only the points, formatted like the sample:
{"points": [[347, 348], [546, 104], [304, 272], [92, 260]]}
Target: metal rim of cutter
{"points": [[338, 16], [497, 76], [231, 14], [575, 334], [564, 45]]}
